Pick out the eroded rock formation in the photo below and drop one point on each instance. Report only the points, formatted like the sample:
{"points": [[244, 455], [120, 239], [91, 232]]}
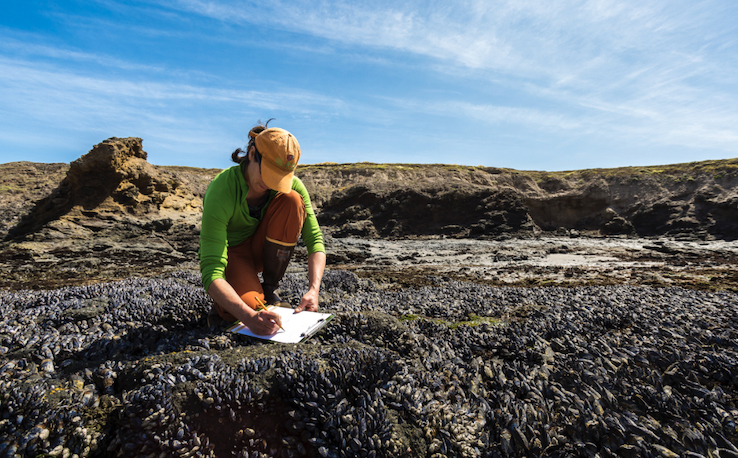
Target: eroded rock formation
{"points": [[112, 183], [696, 200]]}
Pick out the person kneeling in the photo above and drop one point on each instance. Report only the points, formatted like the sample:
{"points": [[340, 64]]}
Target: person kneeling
{"points": [[253, 215]]}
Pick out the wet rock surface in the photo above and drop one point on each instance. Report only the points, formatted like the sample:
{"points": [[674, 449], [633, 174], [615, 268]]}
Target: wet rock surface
{"points": [[552, 260], [456, 369]]}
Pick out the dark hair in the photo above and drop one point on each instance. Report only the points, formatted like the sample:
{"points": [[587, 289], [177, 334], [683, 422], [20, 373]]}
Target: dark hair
{"points": [[241, 156]]}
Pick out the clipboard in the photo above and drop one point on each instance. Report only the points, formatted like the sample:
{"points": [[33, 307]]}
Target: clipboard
{"points": [[297, 326]]}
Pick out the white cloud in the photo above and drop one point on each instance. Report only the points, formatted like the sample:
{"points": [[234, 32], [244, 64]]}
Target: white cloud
{"points": [[654, 72], [510, 35], [45, 100], [11, 45], [577, 44], [38, 88]]}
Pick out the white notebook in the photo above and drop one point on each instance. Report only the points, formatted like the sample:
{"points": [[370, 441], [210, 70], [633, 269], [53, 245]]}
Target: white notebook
{"points": [[297, 326]]}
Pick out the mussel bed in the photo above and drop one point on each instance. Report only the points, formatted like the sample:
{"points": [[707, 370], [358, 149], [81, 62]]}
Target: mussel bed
{"points": [[130, 368]]}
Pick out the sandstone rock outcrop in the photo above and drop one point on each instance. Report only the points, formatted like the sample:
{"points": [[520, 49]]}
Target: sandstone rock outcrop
{"points": [[113, 183], [114, 215]]}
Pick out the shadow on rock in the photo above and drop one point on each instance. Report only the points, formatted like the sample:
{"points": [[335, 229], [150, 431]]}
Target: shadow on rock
{"points": [[112, 180]]}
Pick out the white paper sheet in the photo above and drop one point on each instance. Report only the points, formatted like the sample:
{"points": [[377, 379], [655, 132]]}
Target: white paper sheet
{"points": [[297, 326]]}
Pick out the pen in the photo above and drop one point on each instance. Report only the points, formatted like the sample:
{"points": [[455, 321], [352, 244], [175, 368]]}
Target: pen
{"points": [[263, 307]]}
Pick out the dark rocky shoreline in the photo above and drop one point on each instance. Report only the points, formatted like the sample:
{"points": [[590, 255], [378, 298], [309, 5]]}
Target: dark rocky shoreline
{"points": [[456, 369], [111, 215], [585, 313]]}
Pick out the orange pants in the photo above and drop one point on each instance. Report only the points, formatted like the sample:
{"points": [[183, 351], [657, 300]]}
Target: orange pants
{"points": [[281, 224]]}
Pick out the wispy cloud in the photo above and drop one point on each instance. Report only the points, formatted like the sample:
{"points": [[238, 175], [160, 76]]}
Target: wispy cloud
{"points": [[646, 74], [10, 45], [512, 35], [28, 81], [633, 62], [174, 116]]}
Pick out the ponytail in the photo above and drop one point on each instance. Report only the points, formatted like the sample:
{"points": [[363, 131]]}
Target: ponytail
{"points": [[241, 156]]}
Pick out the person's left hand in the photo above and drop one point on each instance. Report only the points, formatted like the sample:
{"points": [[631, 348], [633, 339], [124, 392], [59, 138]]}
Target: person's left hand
{"points": [[309, 302]]}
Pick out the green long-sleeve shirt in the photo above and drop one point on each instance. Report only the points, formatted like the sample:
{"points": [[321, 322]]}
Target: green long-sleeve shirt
{"points": [[226, 221]]}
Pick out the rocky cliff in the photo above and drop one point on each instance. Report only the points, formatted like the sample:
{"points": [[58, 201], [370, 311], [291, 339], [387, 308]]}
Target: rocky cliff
{"points": [[111, 214], [113, 182], [696, 200]]}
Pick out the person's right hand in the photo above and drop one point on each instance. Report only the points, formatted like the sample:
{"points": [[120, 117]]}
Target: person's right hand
{"points": [[264, 323]]}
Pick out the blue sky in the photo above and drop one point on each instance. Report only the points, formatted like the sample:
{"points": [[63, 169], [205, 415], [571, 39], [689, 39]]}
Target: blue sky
{"points": [[525, 84]]}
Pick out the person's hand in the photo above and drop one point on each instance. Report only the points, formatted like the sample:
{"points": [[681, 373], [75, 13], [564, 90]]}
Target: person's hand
{"points": [[309, 302], [264, 323]]}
